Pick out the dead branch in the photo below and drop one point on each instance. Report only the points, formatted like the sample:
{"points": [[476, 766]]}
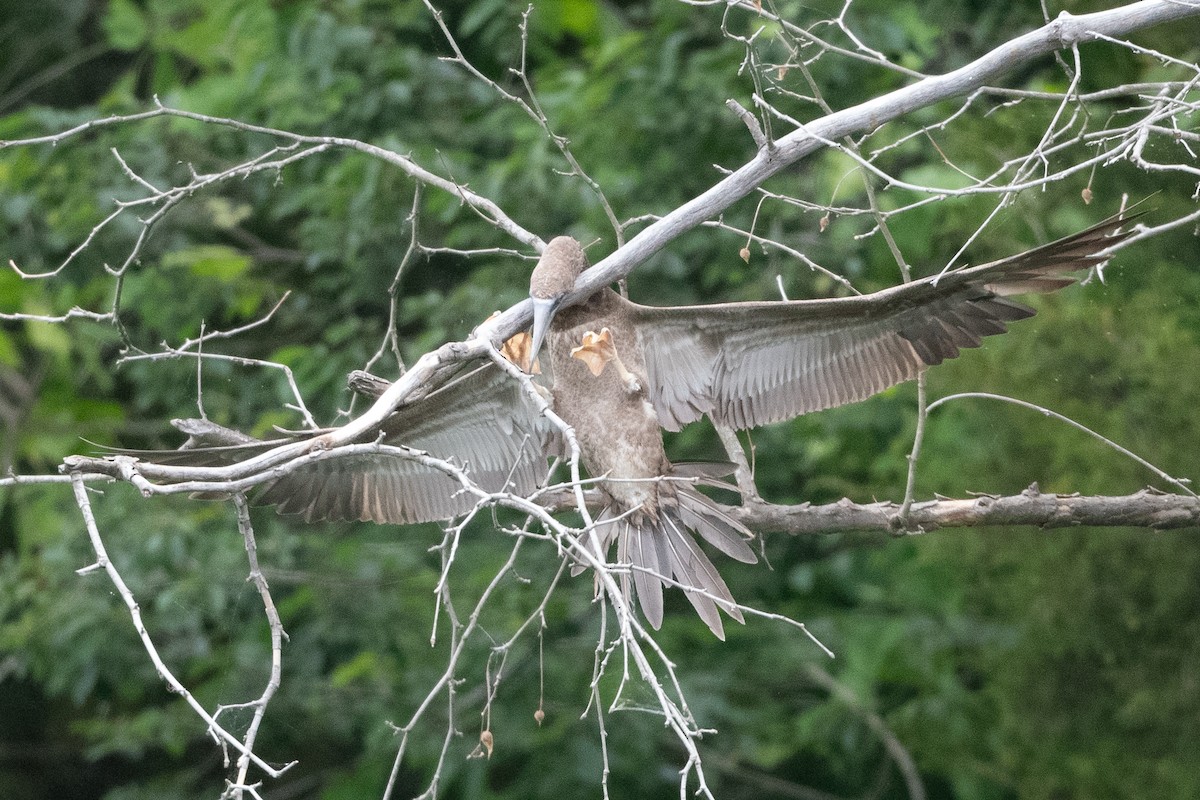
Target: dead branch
{"points": [[1148, 509]]}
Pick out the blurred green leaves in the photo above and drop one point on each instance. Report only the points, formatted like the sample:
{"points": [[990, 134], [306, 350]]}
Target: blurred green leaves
{"points": [[126, 25], [1011, 664]]}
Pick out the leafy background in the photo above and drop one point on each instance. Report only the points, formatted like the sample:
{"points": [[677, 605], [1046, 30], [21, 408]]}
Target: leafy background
{"points": [[1011, 663]]}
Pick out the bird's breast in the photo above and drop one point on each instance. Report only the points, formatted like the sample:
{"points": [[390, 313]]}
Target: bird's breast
{"points": [[615, 424]]}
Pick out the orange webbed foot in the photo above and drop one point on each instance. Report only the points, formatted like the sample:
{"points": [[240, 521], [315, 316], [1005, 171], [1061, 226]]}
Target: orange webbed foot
{"points": [[516, 350], [597, 350]]}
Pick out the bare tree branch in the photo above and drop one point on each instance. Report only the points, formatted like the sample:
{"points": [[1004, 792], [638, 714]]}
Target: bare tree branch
{"points": [[1065, 31], [1148, 509], [625, 647]]}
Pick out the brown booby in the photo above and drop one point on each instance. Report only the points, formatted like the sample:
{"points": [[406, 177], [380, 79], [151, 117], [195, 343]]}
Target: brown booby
{"points": [[744, 365], [641, 369]]}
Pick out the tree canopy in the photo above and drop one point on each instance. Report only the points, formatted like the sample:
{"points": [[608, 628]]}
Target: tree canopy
{"points": [[998, 663]]}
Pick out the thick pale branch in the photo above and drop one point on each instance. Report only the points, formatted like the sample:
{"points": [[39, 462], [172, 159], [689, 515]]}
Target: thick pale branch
{"points": [[1145, 509], [1006, 58]]}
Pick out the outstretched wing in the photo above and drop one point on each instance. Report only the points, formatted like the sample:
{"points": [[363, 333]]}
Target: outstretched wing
{"points": [[482, 421], [748, 364]]}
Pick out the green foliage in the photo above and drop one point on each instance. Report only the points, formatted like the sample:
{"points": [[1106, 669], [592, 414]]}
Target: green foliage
{"points": [[1010, 664]]}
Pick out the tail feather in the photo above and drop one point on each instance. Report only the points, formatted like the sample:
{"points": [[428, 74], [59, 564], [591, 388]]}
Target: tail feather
{"points": [[691, 567], [718, 528], [624, 535], [663, 546], [713, 470], [607, 531], [646, 554]]}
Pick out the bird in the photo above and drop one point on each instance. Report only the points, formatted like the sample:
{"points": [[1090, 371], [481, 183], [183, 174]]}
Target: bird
{"points": [[649, 512], [619, 373]]}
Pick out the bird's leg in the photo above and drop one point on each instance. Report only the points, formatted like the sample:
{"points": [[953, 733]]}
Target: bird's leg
{"points": [[628, 378], [597, 350]]}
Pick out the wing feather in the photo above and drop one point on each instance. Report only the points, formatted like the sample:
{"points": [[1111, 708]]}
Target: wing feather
{"points": [[747, 364], [481, 421]]}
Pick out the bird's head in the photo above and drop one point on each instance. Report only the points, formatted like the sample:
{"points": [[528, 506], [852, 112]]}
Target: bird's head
{"points": [[561, 263]]}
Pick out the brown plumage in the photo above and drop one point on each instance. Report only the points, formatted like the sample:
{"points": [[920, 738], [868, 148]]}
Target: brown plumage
{"points": [[747, 364], [481, 420], [743, 364], [647, 514]]}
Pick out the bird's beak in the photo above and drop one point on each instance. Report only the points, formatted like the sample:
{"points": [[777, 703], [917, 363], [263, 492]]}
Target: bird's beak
{"points": [[543, 314]]}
